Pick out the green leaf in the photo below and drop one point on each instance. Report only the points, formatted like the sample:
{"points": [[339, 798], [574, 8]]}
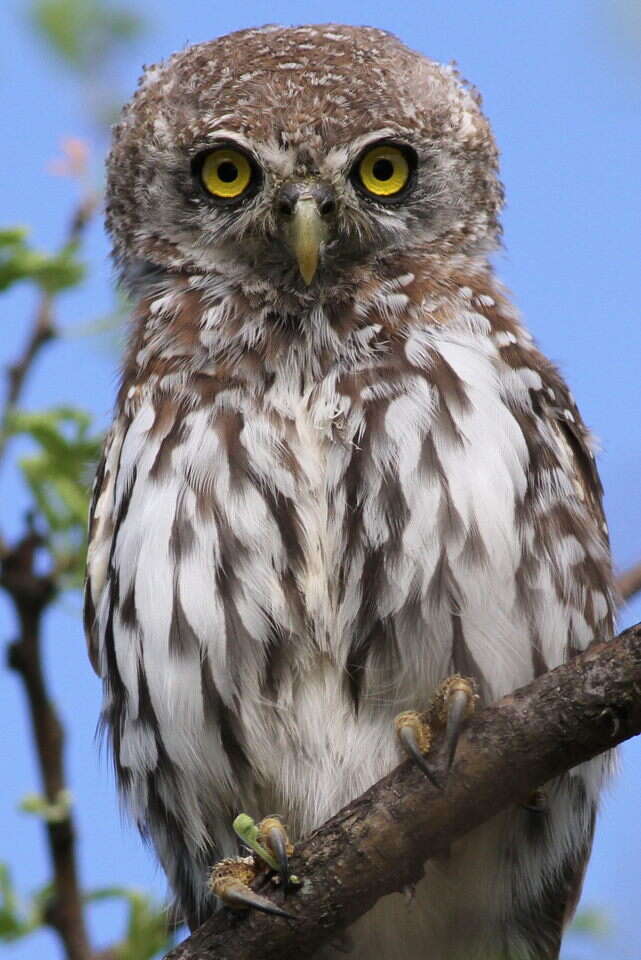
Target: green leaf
{"points": [[19, 261], [591, 922], [146, 934], [106, 893], [58, 476], [147, 931], [50, 812], [84, 32], [14, 921], [245, 828], [12, 235]]}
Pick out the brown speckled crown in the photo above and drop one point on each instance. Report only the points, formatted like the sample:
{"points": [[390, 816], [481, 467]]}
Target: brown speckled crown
{"points": [[310, 87]]}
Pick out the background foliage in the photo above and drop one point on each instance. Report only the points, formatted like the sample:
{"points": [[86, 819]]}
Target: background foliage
{"points": [[62, 445]]}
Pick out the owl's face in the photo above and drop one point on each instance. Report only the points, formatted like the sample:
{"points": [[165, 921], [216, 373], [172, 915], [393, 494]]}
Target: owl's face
{"points": [[292, 158]]}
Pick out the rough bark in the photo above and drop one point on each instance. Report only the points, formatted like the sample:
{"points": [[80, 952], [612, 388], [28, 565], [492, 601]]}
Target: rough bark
{"points": [[379, 843], [31, 594]]}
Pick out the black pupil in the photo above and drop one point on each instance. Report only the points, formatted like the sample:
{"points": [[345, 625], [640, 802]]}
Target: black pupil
{"points": [[227, 171], [383, 169]]}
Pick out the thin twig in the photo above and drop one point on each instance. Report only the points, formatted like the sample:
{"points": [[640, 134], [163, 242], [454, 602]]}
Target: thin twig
{"points": [[43, 328], [31, 594], [380, 842], [629, 583]]}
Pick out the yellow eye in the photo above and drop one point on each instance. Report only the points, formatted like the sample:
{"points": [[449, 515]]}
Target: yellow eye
{"points": [[226, 173], [384, 170]]}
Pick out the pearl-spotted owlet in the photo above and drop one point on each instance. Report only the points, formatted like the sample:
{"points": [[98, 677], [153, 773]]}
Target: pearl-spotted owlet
{"points": [[341, 478]]}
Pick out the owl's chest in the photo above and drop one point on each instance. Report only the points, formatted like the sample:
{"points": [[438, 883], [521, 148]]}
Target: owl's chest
{"points": [[319, 447], [389, 488]]}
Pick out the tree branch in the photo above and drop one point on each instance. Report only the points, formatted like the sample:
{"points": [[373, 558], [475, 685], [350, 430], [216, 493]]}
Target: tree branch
{"points": [[31, 593], [379, 843], [43, 328], [629, 583]]}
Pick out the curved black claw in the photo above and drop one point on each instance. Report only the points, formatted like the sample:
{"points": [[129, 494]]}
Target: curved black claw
{"points": [[277, 841], [452, 705], [443, 721], [269, 842], [458, 709], [414, 736], [229, 880], [240, 897]]}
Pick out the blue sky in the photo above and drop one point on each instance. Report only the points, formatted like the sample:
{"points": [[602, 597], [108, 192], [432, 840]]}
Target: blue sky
{"points": [[561, 85]]}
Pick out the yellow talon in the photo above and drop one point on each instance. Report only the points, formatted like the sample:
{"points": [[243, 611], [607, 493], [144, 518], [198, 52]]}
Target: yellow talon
{"points": [[231, 874]]}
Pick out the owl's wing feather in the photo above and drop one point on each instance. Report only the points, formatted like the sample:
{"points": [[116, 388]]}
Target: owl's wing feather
{"points": [[568, 446], [101, 535], [575, 448], [579, 448]]}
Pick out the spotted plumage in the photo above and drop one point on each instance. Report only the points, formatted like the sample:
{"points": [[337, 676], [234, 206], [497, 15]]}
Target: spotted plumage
{"points": [[318, 500]]}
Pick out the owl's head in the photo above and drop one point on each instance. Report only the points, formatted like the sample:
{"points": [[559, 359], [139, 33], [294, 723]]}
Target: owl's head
{"points": [[293, 157]]}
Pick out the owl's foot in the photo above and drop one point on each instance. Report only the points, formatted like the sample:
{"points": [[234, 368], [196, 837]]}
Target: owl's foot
{"points": [[269, 842], [436, 731], [231, 880]]}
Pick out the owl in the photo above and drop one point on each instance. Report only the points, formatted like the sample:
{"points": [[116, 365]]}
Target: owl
{"points": [[340, 474]]}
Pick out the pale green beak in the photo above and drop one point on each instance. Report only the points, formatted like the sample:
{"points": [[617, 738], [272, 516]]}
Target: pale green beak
{"points": [[306, 209], [307, 230]]}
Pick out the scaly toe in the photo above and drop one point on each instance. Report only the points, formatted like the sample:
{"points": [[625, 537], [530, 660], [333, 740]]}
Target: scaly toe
{"points": [[458, 698], [415, 737], [268, 840], [230, 881], [452, 704], [273, 836]]}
